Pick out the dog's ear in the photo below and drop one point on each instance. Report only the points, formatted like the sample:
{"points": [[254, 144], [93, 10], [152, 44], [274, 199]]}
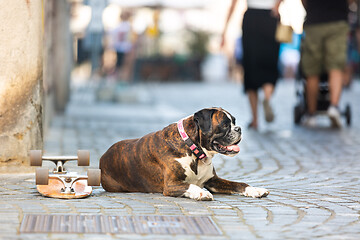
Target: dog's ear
{"points": [[203, 120]]}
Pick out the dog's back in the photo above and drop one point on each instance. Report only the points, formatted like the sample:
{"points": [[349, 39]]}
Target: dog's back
{"points": [[125, 168]]}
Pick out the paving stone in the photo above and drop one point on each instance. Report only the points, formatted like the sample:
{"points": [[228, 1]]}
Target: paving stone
{"points": [[312, 174]]}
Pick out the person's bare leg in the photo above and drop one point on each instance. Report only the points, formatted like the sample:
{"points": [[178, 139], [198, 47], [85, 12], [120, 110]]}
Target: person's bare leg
{"points": [[335, 85], [253, 100], [348, 74], [268, 89], [312, 88]]}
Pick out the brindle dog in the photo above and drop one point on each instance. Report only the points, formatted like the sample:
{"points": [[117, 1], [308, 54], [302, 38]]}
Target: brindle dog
{"points": [[166, 162]]}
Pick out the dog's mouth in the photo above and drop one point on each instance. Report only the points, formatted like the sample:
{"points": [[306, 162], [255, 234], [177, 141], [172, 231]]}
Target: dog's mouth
{"points": [[230, 149]]}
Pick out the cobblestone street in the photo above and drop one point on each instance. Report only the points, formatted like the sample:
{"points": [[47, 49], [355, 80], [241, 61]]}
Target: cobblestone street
{"points": [[312, 173]]}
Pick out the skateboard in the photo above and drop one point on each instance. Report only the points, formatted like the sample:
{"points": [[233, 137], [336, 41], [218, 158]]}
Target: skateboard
{"points": [[59, 183]]}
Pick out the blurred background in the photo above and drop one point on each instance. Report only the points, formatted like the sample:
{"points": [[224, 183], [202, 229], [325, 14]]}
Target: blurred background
{"points": [[164, 40], [121, 42], [110, 46]]}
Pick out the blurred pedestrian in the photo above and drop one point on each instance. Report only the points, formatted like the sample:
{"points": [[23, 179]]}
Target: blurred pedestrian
{"points": [[260, 52], [95, 32], [353, 46], [324, 51], [121, 41]]}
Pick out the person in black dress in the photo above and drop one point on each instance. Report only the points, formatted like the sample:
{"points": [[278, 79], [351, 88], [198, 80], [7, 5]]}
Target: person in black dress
{"points": [[261, 52]]}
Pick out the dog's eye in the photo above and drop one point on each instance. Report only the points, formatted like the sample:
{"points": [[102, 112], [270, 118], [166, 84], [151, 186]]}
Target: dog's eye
{"points": [[226, 125]]}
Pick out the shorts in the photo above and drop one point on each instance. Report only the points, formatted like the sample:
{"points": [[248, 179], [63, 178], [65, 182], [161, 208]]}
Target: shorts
{"points": [[324, 47]]}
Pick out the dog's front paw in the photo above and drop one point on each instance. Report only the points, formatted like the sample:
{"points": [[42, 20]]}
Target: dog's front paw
{"points": [[256, 192], [203, 195], [199, 194]]}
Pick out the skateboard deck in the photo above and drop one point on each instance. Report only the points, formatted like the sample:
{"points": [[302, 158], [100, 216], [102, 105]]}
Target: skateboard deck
{"points": [[53, 189]]}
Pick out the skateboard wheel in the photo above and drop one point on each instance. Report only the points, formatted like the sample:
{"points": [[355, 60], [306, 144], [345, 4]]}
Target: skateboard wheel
{"points": [[94, 177], [83, 157], [42, 176], [35, 158]]}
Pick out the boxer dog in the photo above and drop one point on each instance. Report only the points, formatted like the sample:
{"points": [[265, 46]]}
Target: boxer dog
{"points": [[177, 160]]}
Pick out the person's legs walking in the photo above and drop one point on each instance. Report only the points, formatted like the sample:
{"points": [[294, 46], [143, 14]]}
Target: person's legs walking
{"points": [[268, 89], [335, 85], [312, 89], [311, 64], [335, 61], [253, 100]]}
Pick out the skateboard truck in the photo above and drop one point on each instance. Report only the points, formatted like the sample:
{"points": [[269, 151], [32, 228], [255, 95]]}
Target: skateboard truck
{"points": [[68, 183], [60, 183]]}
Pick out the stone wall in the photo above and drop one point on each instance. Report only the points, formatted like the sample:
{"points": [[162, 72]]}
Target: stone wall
{"points": [[21, 85]]}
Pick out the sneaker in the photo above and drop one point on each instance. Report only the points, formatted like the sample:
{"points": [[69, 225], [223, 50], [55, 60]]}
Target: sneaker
{"points": [[269, 115], [334, 115], [310, 121]]}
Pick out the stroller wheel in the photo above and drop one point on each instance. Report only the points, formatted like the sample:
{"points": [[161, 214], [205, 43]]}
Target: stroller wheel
{"points": [[297, 114], [348, 114]]}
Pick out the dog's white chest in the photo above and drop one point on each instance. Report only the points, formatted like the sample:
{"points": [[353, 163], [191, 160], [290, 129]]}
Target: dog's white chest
{"points": [[205, 171]]}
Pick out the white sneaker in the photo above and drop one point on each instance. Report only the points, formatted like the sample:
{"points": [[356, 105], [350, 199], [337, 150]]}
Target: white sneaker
{"points": [[310, 121], [334, 115]]}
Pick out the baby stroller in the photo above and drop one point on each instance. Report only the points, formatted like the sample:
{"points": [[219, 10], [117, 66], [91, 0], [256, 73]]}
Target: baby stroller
{"points": [[323, 101]]}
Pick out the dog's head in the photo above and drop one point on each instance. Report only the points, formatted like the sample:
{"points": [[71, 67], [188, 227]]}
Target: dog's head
{"points": [[218, 131]]}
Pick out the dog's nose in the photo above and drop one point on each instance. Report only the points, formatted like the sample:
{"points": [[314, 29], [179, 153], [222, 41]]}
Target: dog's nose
{"points": [[237, 129]]}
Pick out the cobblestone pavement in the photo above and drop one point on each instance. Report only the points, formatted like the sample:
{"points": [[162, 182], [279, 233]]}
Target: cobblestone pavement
{"points": [[313, 174]]}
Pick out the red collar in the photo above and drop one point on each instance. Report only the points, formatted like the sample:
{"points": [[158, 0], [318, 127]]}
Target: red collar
{"points": [[198, 152]]}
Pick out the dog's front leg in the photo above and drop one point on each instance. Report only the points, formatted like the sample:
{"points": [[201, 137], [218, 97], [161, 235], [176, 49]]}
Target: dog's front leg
{"points": [[187, 190], [219, 185]]}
